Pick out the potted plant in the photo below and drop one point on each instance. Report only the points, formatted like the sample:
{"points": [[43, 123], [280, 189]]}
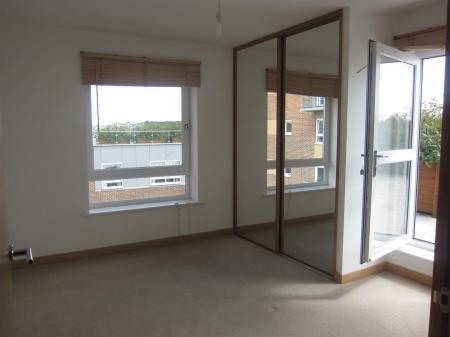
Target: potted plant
{"points": [[430, 152]]}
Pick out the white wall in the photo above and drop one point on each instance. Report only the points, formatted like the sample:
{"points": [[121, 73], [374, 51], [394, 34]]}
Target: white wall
{"points": [[45, 143], [426, 16]]}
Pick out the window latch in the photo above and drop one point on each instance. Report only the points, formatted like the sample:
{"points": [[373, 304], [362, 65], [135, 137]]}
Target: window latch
{"points": [[187, 126], [441, 298]]}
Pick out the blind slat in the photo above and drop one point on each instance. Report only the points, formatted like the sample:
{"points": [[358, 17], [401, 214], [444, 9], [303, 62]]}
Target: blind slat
{"points": [[304, 84], [104, 69]]}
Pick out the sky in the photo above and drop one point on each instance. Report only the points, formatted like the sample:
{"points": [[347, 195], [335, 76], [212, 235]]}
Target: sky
{"points": [[433, 78], [396, 80], [135, 104]]}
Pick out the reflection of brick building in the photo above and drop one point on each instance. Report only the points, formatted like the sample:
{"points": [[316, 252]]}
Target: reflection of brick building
{"points": [[304, 135]]}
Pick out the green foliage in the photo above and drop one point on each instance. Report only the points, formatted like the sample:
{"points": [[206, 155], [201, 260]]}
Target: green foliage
{"points": [[141, 133], [393, 132], [430, 147]]}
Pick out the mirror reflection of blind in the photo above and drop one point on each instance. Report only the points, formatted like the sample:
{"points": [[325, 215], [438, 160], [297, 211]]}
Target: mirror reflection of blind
{"points": [[305, 84]]}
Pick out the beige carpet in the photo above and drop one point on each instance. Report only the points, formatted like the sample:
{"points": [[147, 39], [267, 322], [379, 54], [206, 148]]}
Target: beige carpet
{"points": [[223, 287]]}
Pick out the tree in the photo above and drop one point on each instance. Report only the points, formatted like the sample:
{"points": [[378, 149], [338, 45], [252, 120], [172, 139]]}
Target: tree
{"points": [[145, 132], [430, 146]]}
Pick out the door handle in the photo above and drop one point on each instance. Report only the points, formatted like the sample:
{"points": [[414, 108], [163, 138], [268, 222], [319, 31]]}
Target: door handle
{"points": [[376, 155], [27, 252]]}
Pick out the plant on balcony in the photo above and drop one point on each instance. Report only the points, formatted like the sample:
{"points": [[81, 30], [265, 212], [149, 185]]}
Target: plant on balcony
{"points": [[430, 147], [430, 152]]}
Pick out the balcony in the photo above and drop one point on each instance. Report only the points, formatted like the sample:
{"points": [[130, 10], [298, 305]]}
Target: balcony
{"points": [[312, 103], [115, 137]]}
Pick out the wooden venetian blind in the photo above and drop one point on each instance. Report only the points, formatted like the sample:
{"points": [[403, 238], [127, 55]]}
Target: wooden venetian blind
{"points": [[423, 39], [304, 84], [106, 69]]}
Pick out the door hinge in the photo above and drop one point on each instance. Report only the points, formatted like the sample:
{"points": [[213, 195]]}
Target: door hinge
{"points": [[441, 298]]}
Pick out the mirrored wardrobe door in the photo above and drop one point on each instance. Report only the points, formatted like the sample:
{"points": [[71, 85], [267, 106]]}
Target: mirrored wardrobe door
{"points": [[256, 117], [311, 109]]}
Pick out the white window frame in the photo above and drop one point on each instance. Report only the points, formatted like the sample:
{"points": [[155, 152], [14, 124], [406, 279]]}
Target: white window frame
{"points": [[108, 166], [166, 183], [157, 163], [286, 123], [146, 171], [320, 101], [319, 134], [153, 163], [313, 162], [288, 172], [105, 186], [316, 172], [104, 183]]}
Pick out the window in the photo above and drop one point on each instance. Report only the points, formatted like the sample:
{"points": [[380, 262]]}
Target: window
{"points": [[288, 172], [320, 101], [139, 148], [165, 163], [166, 181], [319, 174], [433, 70], [288, 128], [319, 131], [157, 163], [111, 165], [111, 184], [311, 103]]}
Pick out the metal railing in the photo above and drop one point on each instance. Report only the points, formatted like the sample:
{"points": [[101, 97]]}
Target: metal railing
{"points": [[311, 102], [136, 137]]}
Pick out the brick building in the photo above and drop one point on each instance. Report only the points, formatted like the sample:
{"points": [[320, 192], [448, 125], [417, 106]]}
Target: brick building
{"points": [[112, 156]]}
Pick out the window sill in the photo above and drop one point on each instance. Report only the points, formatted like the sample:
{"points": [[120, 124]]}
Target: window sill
{"points": [[140, 207], [301, 190]]}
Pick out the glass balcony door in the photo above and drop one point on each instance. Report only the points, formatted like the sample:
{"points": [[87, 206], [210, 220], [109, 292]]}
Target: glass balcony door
{"points": [[391, 150]]}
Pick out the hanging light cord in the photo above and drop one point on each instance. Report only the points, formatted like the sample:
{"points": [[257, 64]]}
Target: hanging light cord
{"points": [[219, 19]]}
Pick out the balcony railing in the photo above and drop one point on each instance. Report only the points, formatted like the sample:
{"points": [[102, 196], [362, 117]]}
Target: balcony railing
{"points": [[312, 103], [136, 137]]}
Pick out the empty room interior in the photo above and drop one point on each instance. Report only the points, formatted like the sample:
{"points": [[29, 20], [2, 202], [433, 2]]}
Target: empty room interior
{"points": [[220, 168]]}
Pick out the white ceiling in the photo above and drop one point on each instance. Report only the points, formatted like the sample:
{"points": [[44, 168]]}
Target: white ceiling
{"points": [[190, 20]]}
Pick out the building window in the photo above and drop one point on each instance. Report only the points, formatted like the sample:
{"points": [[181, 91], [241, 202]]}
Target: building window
{"points": [[139, 147], [288, 128], [166, 181], [111, 184], [320, 101], [319, 174], [311, 103], [319, 130], [106, 166], [165, 163], [288, 172]]}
